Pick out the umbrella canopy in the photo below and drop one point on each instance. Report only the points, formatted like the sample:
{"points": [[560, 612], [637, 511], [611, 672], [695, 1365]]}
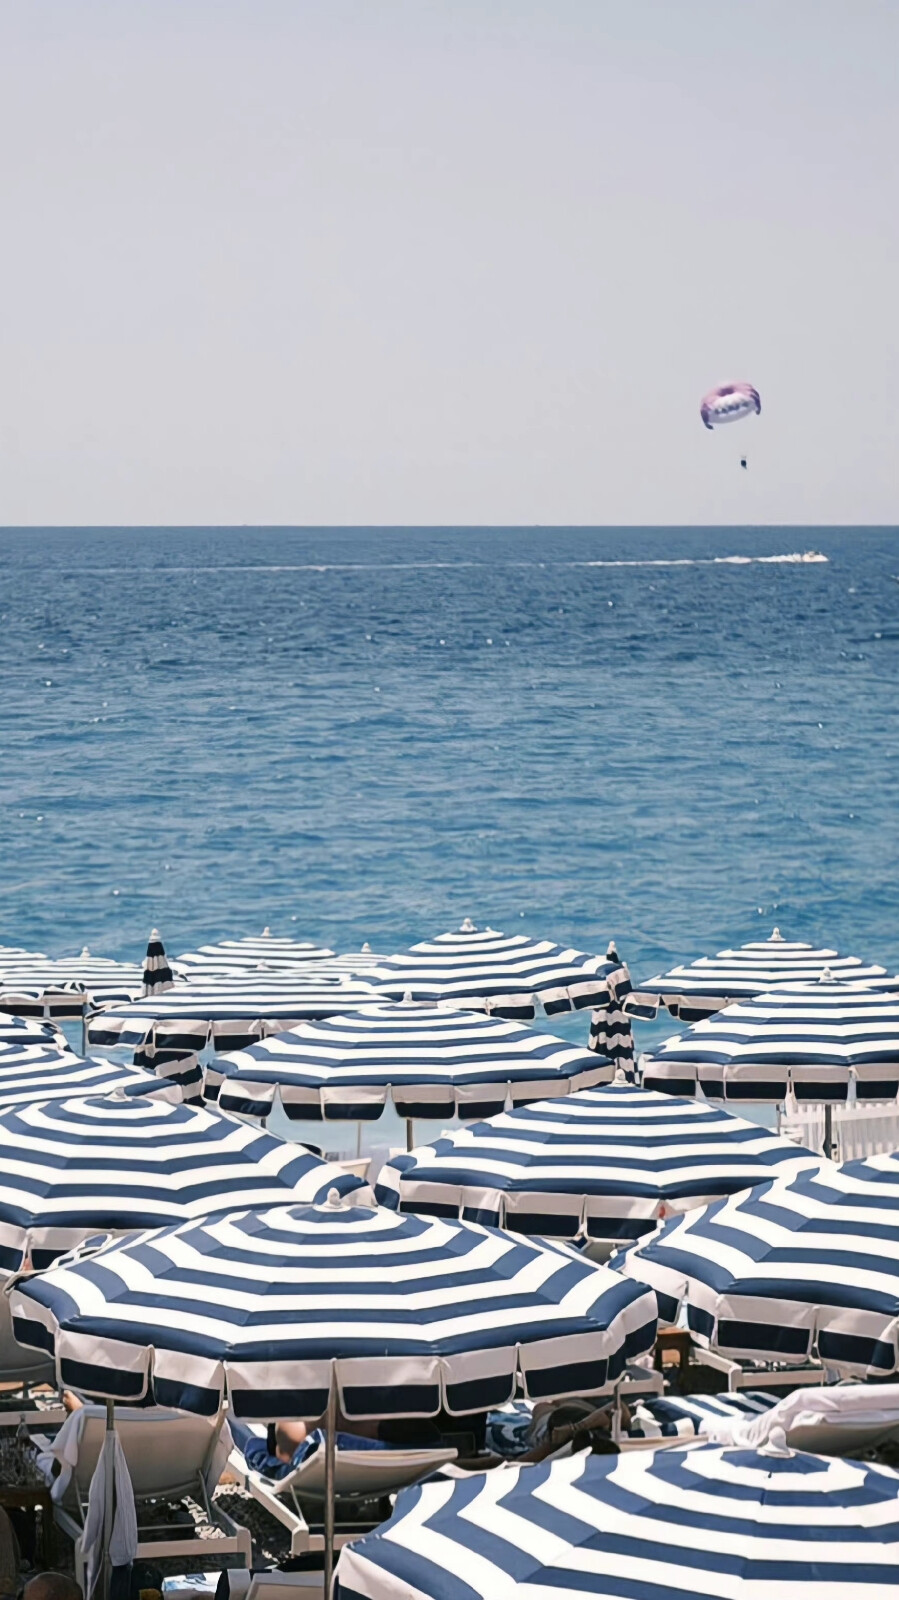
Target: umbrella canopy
{"points": [[230, 1013], [882, 1171], [667, 1525], [486, 971], [249, 954], [435, 1062], [157, 972], [36, 987], [785, 1271], [42, 1069], [73, 1168], [601, 1166], [814, 1039], [406, 1314], [707, 985], [19, 1030]]}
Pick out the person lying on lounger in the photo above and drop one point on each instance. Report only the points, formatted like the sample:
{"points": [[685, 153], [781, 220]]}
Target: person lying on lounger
{"points": [[287, 1444]]}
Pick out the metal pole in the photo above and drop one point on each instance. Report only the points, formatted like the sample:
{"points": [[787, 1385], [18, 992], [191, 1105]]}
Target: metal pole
{"points": [[330, 1463], [108, 1498], [828, 1131], [84, 1029], [410, 1134]]}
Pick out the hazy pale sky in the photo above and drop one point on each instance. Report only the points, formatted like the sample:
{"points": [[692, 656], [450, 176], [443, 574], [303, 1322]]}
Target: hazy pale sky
{"points": [[443, 261]]}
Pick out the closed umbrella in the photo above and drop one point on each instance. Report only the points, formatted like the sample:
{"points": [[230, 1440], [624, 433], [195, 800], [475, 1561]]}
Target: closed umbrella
{"points": [[667, 1525], [789, 1270], [487, 971], [295, 1309], [707, 985], [600, 1167], [434, 1061], [157, 972]]}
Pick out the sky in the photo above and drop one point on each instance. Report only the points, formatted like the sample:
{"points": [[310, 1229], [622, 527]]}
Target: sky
{"points": [[447, 261]]}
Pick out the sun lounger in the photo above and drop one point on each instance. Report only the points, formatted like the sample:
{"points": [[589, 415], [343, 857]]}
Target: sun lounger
{"points": [[762, 1375], [360, 1475], [23, 1371], [841, 1419], [170, 1455]]}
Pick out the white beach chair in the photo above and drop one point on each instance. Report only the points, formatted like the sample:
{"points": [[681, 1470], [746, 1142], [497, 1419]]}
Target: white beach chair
{"points": [[359, 1475], [762, 1375], [22, 1372], [170, 1455]]}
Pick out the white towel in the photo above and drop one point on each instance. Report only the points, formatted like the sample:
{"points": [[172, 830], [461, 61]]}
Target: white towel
{"points": [[123, 1543], [63, 1451]]}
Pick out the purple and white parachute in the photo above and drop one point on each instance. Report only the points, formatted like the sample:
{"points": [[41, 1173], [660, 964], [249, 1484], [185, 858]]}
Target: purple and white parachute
{"points": [[730, 402]]}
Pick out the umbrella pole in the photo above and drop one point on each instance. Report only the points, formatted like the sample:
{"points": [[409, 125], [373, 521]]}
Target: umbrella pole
{"points": [[108, 1500], [828, 1131], [410, 1134], [330, 1463], [84, 1029]]}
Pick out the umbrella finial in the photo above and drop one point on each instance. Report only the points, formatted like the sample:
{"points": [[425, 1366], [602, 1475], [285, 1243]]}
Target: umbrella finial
{"points": [[366, 949], [85, 953], [776, 1444], [776, 937], [334, 1201], [154, 933], [612, 951], [266, 933], [468, 926], [407, 998], [826, 975]]}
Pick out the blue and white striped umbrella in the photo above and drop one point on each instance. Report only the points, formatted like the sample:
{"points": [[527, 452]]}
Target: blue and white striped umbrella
{"points": [[42, 1069], [230, 1013], [485, 971], [602, 1166], [157, 972], [814, 1039], [36, 987], [433, 1061], [698, 1524], [709, 984], [25, 1030], [70, 1169], [789, 1270], [249, 955], [880, 1170], [407, 1314]]}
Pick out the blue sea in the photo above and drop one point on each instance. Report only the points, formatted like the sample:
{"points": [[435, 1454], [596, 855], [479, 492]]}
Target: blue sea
{"points": [[370, 734]]}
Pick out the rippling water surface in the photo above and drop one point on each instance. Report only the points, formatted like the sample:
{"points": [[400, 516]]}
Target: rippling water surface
{"points": [[370, 735]]}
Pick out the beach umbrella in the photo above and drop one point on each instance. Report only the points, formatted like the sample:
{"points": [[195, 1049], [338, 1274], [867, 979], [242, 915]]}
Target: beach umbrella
{"points": [[229, 1013], [880, 1170], [296, 1309], [432, 1061], [71, 1169], [40, 988], [700, 1524], [600, 1167], [250, 954], [38, 1069], [811, 1040], [157, 972], [19, 1030], [792, 1269], [709, 984], [483, 970]]}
